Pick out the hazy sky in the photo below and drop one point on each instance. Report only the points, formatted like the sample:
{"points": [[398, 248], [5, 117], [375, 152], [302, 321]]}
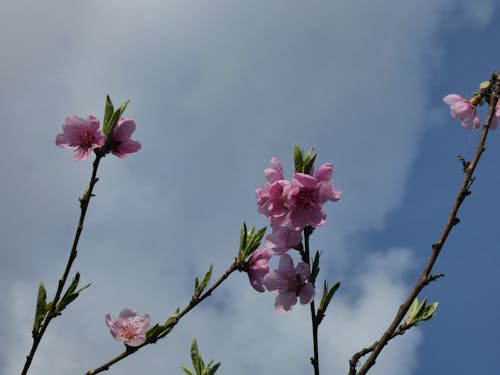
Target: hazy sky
{"points": [[217, 88]]}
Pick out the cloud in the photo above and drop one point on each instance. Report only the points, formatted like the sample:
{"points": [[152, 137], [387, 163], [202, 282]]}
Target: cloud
{"points": [[217, 88]]}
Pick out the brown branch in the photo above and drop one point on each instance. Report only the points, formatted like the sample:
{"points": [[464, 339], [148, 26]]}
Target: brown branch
{"points": [[353, 362], [426, 277], [170, 324], [314, 318], [52, 313]]}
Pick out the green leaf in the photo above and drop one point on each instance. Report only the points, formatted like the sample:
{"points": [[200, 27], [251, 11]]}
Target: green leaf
{"points": [[73, 285], [109, 126], [326, 298], [484, 84], [201, 287], [169, 324], [211, 371], [249, 241], [420, 312], [41, 307], [186, 370], [154, 332], [297, 158], [255, 239], [429, 311], [243, 237], [413, 309], [315, 267], [308, 161], [195, 358], [108, 111], [71, 293]]}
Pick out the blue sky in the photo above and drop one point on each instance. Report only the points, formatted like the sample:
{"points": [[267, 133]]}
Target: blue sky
{"points": [[218, 88]]}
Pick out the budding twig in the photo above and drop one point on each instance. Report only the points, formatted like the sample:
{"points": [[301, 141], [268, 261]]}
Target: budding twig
{"points": [[426, 276], [53, 312]]}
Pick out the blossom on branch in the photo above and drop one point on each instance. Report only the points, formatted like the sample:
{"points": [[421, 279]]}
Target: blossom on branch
{"points": [[121, 144], [463, 110], [289, 283], [297, 203], [129, 327], [82, 134], [258, 267], [283, 239], [307, 194]]}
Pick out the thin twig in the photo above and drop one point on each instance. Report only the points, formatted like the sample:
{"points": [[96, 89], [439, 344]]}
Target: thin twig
{"points": [[426, 277], [52, 313], [171, 323], [314, 320]]}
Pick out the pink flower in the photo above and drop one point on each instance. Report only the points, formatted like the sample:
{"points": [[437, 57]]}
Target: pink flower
{"points": [[129, 328], [121, 144], [496, 117], [258, 267], [275, 173], [297, 203], [283, 238], [289, 283], [307, 194], [463, 110], [82, 134], [272, 201]]}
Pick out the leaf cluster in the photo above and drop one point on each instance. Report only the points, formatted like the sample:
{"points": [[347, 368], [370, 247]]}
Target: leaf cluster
{"points": [[200, 287], [328, 294], [303, 163], [159, 331], [420, 311], [111, 118], [43, 309], [200, 368], [249, 241]]}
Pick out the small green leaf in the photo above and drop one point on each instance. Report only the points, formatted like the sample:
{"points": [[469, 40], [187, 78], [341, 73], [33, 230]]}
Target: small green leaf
{"points": [[109, 126], [326, 298], [211, 371], [484, 84], [71, 293], [297, 158], [429, 311], [315, 267], [255, 239], [243, 237], [41, 307], [308, 162], [195, 358], [154, 331], [250, 241], [413, 309], [73, 285], [201, 287], [108, 111], [186, 370]]}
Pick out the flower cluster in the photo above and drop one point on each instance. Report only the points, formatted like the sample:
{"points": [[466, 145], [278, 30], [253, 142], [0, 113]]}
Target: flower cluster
{"points": [[129, 327], [84, 134], [466, 112], [290, 206]]}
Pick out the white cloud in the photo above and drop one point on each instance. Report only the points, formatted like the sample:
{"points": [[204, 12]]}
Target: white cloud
{"points": [[217, 88]]}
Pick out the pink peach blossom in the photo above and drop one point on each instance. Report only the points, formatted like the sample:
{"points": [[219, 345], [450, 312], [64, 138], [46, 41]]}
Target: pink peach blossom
{"points": [[289, 283], [121, 144], [496, 117], [283, 239], [258, 267], [129, 328], [82, 134], [463, 110]]}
